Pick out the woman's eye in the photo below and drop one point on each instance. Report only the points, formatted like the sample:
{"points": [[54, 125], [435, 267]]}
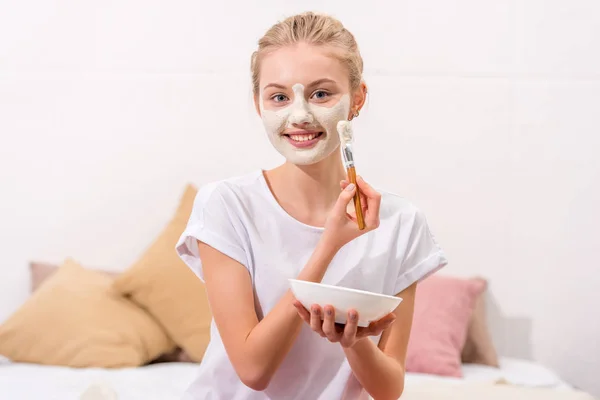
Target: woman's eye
{"points": [[279, 98], [320, 94]]}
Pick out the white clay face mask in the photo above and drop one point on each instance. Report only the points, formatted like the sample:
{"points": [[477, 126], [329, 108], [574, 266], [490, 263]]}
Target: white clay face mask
{"points": [[307, 149]]}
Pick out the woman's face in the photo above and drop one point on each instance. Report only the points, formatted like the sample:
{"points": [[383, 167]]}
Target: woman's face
{"points": [[303, 92]]}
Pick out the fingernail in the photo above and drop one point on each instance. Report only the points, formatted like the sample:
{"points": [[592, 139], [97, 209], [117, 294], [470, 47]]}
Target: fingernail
{"points": [[350, 187], [329, 312], [353, 316]]}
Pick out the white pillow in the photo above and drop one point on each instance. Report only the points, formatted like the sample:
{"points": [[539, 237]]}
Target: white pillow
{"points": [[516, 372]]}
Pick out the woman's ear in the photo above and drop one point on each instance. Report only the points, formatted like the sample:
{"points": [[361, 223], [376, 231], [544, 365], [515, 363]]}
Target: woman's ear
{"points": [[256, 105], [359, 96]]}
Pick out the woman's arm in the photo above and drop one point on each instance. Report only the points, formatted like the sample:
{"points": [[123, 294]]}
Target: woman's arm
{"points": [[255, 349], [380, 369]]}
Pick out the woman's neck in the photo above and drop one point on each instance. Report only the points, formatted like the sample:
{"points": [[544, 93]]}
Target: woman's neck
{"points": [[308, 192]]}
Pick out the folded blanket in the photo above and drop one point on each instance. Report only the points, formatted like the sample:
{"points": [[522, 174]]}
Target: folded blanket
{"points": [[99, 391], [486, 391]]}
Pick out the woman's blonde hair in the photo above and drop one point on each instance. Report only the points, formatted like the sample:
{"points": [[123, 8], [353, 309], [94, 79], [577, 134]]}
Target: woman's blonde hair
{"points": [[314, 29]]}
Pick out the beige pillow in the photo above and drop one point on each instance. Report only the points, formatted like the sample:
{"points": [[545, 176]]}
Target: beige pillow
{"points": [[40, 271], [75, 319], [161, 283], [479, 347]]}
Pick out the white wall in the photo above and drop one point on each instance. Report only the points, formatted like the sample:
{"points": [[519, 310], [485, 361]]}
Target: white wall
{"points": [[485, 113]]}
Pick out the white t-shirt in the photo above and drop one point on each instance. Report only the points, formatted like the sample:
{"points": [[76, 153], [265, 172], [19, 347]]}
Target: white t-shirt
{"points": [[241, 218]]}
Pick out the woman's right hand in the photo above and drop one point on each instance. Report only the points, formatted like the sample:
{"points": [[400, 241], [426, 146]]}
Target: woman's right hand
{"points": [[341, 226]]}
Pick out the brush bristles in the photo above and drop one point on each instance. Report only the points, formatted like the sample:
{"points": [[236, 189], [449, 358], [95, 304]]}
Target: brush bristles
{"points": [[344, 129]]}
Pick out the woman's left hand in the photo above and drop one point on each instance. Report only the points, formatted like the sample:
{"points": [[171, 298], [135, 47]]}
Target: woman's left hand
{"points": [[348, 334]]}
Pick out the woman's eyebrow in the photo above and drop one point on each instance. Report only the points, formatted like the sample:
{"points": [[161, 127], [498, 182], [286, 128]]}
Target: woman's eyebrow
{"points": [[312, 84], [321, 81], [275, 85]]}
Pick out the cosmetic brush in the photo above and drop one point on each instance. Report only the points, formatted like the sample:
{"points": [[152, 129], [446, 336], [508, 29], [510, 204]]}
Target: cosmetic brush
{"points": [[344, 129]]}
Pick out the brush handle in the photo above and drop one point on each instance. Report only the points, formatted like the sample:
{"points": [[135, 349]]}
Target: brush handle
{"points": [[357, 206]]}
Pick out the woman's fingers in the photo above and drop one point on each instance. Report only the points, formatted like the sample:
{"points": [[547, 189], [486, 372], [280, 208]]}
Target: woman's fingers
{"points": [[344, 183], [329, 325], [349, 334], [316, 322], [322, 321], [370, 201], [373, 200], [344, 199], [303, 312], [363, 201], [365, 187], [376, 327]]}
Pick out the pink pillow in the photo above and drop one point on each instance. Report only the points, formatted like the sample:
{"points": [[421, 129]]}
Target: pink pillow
{"points": [[443, 309]]}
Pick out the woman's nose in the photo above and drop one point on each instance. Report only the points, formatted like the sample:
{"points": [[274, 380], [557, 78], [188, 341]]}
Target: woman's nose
{"points": [[301, 116]]}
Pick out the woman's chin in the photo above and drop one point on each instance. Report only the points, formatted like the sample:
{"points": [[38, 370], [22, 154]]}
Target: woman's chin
{"points": [[308, 156]]}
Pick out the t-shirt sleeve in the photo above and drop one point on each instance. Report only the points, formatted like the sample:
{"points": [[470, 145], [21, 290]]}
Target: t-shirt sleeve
{"points": [[214, 222], [422, 256]]}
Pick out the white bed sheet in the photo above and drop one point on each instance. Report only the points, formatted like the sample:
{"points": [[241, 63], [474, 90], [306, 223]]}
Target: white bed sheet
{"points": [[163, 381], [168, 381], [512, 370]]}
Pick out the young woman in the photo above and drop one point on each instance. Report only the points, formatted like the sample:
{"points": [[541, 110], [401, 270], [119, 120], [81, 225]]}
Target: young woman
{"points": [[247, 235]]}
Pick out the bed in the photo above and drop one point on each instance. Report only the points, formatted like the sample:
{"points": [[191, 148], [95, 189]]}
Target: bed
{"points": [[519, 379], [146, 312]]}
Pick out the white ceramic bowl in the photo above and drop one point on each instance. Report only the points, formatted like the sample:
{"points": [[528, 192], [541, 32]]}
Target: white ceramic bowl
{"points": [[370, 306]]}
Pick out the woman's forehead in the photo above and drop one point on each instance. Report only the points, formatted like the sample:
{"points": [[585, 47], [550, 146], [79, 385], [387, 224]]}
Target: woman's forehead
{"points": [[302, 64]]}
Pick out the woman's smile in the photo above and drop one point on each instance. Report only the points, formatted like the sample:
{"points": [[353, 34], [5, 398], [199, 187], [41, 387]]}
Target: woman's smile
{"points": [[302, 138]]}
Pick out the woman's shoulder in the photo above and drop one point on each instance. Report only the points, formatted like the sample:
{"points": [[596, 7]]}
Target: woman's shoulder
{"points": [[399, 214], [395, 205], [229, 188]]}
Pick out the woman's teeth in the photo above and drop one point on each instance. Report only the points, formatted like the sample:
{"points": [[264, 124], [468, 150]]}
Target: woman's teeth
{"points": [[304, 138]]}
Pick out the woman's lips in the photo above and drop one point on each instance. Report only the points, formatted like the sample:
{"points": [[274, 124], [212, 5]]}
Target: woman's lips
{"points": [[303, 139]]}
